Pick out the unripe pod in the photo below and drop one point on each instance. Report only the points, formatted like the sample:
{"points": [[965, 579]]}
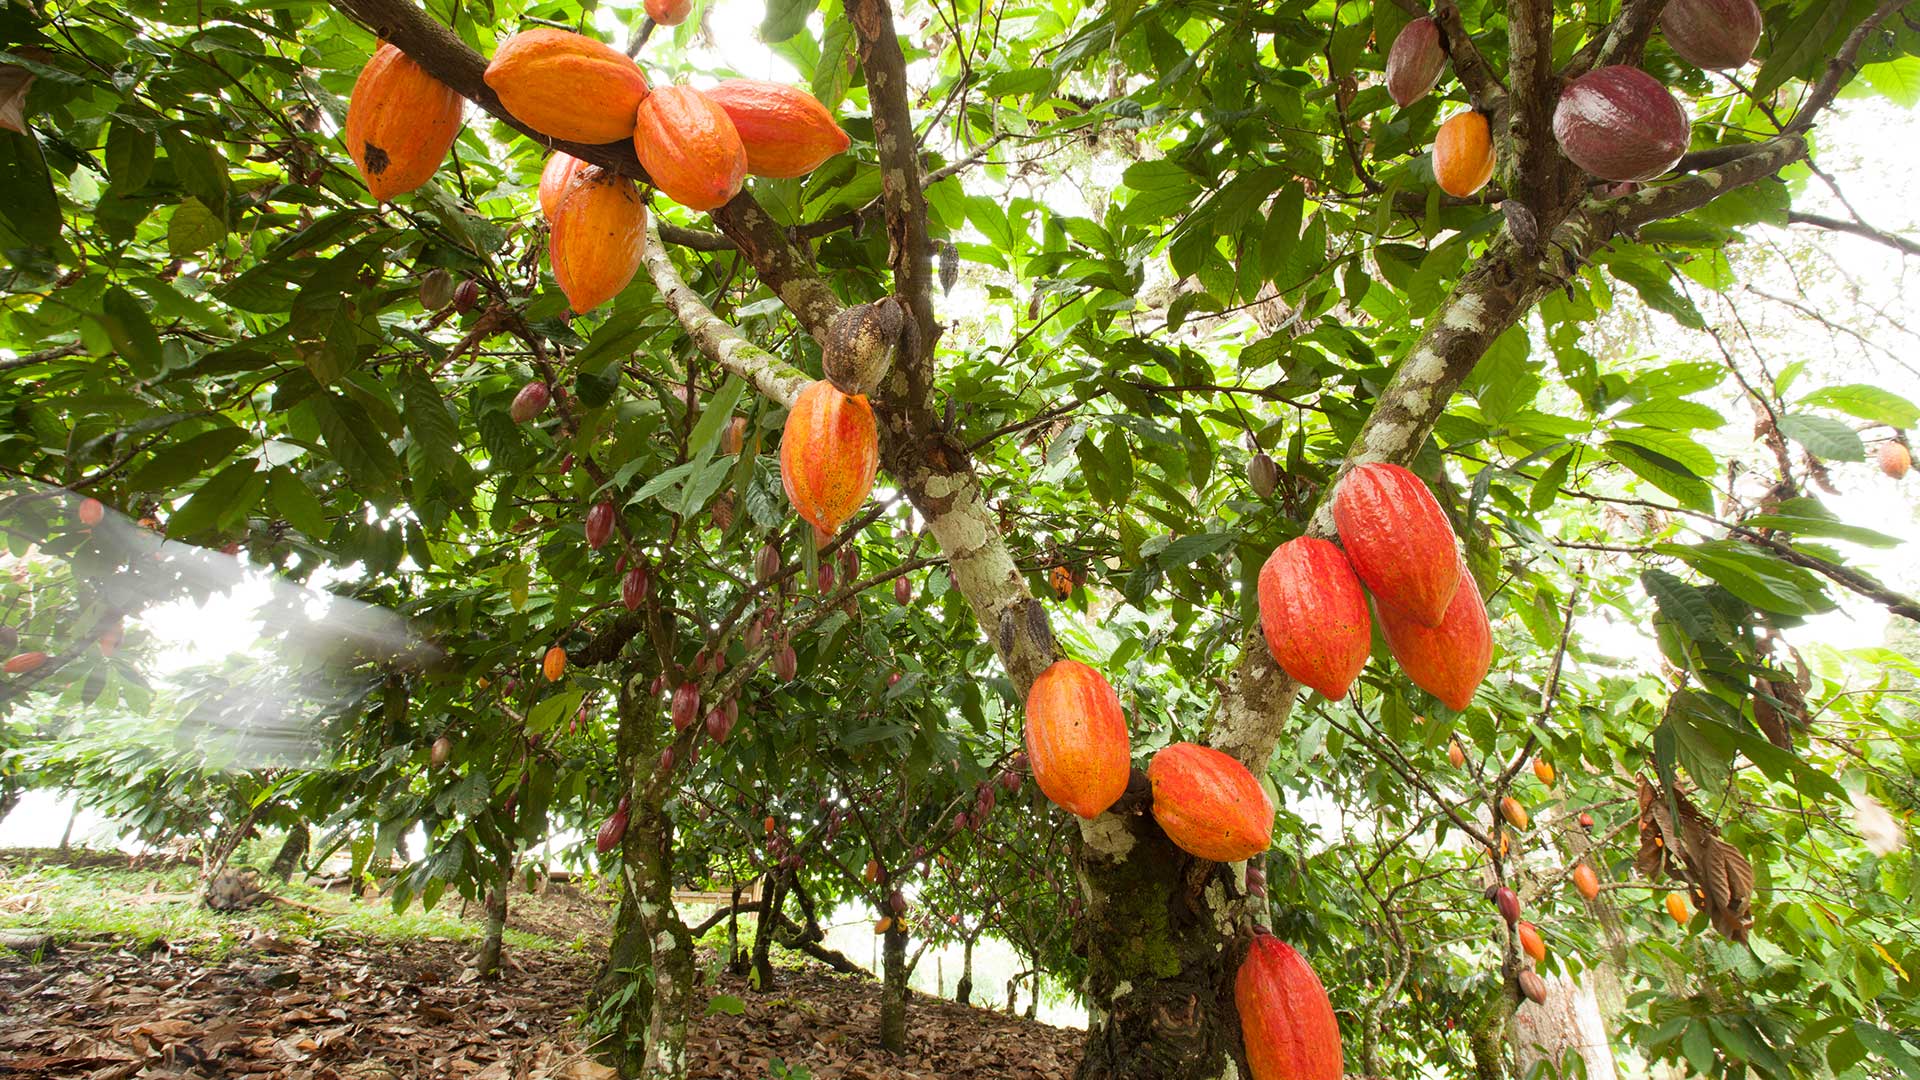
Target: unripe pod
{"points": [[824, 576], [1533, 986], [1263, 475], [961, 822], [893, 679], [1713, 34], [756, 633], [1455, 755], [1508, 903], [1619, 123], [1895, 459], [767, 563], [1010, 781], [666, 760], [686, 705], [1463, 154], [1515, 814], [897, 902], [659, 685], [633, 588], [1415, 62], [1586, 881], [436, 289], [1531, 942], [902, 591], [1398, 540], [600, 524], [611, 832], [530, 402]]}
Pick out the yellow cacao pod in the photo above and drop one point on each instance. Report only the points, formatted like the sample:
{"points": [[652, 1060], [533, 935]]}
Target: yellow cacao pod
{"points": [[599, 235], [566, 85], [400, 123]]}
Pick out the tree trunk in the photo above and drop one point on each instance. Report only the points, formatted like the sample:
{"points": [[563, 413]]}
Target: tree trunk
{"points": [[736, 960], [1488, 1038], [893, 990], [963, 990], [489, 958], [292, 850], [66, 835], [771, 901]]}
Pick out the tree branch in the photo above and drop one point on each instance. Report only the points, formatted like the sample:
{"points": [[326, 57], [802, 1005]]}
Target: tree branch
{"points": [[1840, 67], [1473, 71], [771, 376], [1858, 228]]}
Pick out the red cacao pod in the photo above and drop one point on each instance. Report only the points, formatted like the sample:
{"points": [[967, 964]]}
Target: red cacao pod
{"points": [[1619, 123], [787, 132], [1286, 1022], [1209, 804], [1533, 986], [466, 296], [598, 238], [1586, 820], [1398, 540], [1507, 902], [756, 633], [719, 724], [1314, 615], [1010, 781], [897, 902], [600, 521], [93, 511], [669, 12], [828, 454], [1895, 459], [1449, 660], [1714, 34], [1415, 62], [961, 822], [554, 178], [1077, 738], [686, 705], [567, 85], [666, 760], [902, 591], [553, 665], [785, 663], [401, 122], [1463, 154], [530, 402], [611, 832], [1531, 942], [633, 588], [689, 147]]}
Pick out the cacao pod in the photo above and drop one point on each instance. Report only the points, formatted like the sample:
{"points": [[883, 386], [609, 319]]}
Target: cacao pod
{"points": [[1585, 880], [824, 576], [1619, 123], [902, 591], [600, 519], [1077, 738], [1463, 154], [93, 511], [1508, 903], [828, 455], [669, 12], [554, 664], [719, 724], [1677, 907], [109, 640], [554, 178], [768, 824], [786, 131], [767, 563], [1398, 540], [1531, 942], [734, 438], [467, 295], [401, 122], [1455, 755], [1286, 1022], [689, 147], [1714, 34], [567, 86], [530, 402], [1415, 62], [896, 902], [598, 239], [859, 345], [686, 706], [786, 664], [1533, 986], [1895, 459], [883, 925], [871, 875], [1586, 820], [961, 822], [436, 289], [1543, 771], [1061, 579], [1263, 474], [1450, 660], [633, 588], [1209, 804], [440, 752], [1515, 814], [611, 832], [1314, 615], [666, 760]]}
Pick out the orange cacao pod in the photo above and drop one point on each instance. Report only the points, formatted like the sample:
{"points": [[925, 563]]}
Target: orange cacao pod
{"points": [[1543, 770], [786, 131], [1286, 1021], [1677, 907], [1061, 579], [1586, 881], [1449, 660], [400, 123], [599, 235], [24, 662], [554, 178], [883, 925], [669, 12], [1314, 615], [1398, 540], [1077, 738], [1515, 814], [1209, 804], [1455, 755], [690, 147], [93, 511], [1463, 154], [1895, 459], [1531, 942], [554, 664], [566, 85], [828, 455]]}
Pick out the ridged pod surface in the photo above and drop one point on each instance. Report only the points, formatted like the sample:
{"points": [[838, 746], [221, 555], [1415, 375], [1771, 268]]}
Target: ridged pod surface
{"points": [[1619, 123], [787, 131], [1463, 154], [567, 86], [554, 664], [598, 239], [1531, 942], [689, 147], [1398, 540], [1314, 615], [1677, 908], [1077, 738], [22, 663], [1209, 804], [1449, 660], [1894, 459], [828, 455], [1585, 880], [554, 178], [1714, 34], [400, 123], [1286, 1022], [1415, 62]]}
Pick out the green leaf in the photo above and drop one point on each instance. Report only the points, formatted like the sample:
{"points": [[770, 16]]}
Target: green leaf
{"points": [[432, 426], [293, 500], [1801, 45], [1671, 445], [129, 156], [29, 205], [726, 1003], [179, 462], [785, 18], [713, 418], [1190, 549], [551, 710], [355, 440], [1681, 603], [1873, 403], [1670, 414], [198, 166], [125, 321], [219, 499], [193, 229], [1824, 437], [1663, 473]]}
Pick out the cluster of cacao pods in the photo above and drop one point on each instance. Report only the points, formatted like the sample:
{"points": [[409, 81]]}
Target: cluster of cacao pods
{"points": [[1398, 544]]}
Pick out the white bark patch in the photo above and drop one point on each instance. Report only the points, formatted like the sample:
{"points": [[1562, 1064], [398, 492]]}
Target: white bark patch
{"points": [[1107, 836], [1466, 312], [1424, 366]]}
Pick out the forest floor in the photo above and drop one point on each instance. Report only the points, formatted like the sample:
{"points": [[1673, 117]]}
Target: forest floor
{"points": [[118, 971]]}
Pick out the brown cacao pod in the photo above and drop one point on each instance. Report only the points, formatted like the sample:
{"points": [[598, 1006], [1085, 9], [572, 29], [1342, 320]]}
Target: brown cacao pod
{"points": [[599, 235], [1077, 738], [554, 664], [1398, 540], [828, 455], [530, 402], [1263, 474], [1463, 154], [1449, 660], [1585, 880], [1314, 615], [1714, 34], [786, 131], [1531, 942], [436, 289], [554, 178], [1619, 123], [401, 122], [567, 86], [1415, 62], [1209, 804], [860, 345], [440, 751], [1533, 986], [669, 12], [689, 147], [466, 296], [1507, 902], [1894, 458], [1286, 1022]]}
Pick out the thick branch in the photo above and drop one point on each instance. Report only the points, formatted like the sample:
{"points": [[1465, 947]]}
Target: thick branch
{"points": [[1534, 163], [1473, 71], [1625, 40], [771, 376]]}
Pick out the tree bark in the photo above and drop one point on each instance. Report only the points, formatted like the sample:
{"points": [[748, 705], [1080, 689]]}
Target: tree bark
{"points": [[963, 990], [893, 990], [292, 850], [736, 960], [489, 959], [772, 899]]}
